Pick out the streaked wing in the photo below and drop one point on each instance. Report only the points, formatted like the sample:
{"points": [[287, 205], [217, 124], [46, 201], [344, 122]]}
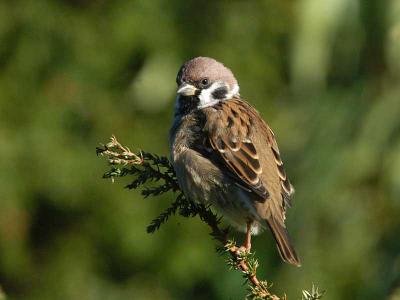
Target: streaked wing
{"points": [[229, 128], [285, 187], [247, 147]]}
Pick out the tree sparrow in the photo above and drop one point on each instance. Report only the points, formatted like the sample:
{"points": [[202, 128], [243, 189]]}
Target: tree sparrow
{"points": [[224, 154]]}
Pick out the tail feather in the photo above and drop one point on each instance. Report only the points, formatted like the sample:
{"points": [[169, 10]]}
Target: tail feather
{"points": [[285, 248]]}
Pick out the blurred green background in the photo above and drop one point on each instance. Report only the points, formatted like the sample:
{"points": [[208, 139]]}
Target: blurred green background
{"points": [[325, 74]]}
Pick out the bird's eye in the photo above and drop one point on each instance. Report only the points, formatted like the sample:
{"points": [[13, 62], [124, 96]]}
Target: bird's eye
{"points": [[204, 82]]}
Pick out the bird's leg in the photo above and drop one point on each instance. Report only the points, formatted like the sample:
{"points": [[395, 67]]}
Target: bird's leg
{"points": [[247, 241]]}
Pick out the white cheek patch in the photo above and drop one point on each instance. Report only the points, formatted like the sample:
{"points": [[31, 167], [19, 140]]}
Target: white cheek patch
{"points": [[206, 98], [234, 92]]}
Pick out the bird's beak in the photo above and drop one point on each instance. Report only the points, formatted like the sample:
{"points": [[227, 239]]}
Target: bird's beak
{"points": [[186, 89]]}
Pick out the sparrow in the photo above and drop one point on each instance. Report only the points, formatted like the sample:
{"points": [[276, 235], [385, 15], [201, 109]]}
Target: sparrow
{"points": [[226, 156]]}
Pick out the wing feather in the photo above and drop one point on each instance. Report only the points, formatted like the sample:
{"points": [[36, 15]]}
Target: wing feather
{"points": [[230, 132], [229, 135]]}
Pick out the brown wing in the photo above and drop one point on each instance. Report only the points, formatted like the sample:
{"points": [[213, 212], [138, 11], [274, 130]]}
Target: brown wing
{"points": [[286, 188], [248, 148], [228, 130]]}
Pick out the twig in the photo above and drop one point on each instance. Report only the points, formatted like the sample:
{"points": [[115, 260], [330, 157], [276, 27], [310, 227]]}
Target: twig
{"points": [[118, 154]]}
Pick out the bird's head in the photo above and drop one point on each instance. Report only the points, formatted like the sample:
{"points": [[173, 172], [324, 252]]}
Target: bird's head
{"points": [[202, 82]]}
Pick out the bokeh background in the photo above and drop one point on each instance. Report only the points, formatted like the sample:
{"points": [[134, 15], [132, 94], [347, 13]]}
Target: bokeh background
{"points": [[324, 74]]}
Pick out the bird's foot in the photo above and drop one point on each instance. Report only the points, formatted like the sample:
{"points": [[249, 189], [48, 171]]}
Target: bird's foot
{"points": [[244, 248]]}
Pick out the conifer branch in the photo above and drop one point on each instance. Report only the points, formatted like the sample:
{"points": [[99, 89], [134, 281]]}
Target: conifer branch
{"points": [[147, 168]]}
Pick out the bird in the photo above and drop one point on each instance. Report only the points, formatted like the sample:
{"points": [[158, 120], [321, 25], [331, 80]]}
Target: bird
{"points": [[226, 156]]}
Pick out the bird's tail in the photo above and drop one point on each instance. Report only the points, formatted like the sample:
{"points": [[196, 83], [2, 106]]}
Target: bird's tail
{"points": [[283, 243]]}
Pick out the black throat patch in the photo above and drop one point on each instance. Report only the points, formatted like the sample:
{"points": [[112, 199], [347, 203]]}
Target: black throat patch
{"points": [[187, 104]]}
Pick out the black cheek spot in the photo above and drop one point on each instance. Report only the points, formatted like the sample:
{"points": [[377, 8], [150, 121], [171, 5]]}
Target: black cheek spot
{"points": [[219, 93]]}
